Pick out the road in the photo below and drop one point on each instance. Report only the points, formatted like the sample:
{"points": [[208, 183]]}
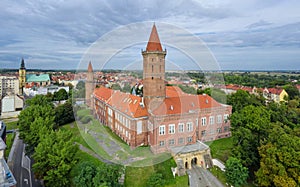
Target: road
{"points": [[200, 177], [20, 165]]}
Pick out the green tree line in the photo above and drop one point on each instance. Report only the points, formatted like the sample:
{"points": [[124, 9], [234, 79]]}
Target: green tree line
{"points": [[266, 140]]}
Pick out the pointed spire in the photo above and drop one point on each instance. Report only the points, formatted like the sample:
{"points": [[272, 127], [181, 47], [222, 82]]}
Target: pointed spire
{"points": [[154, 42], [22, 64], [90, 68]]}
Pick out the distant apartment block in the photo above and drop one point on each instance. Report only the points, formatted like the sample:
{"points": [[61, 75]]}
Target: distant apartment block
{"points": [[9, 85]]}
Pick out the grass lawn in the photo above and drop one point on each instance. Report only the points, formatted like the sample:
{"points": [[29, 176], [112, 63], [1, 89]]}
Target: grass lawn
{"points": [[9, 141], [72, 127], [143, 174], [11, 125], [219, 174], [181, 181], [221, 148], [135, 176], [10, 137]]}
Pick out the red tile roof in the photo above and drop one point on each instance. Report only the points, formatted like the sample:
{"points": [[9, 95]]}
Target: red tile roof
{"points": [[124, 102], [276, 91], [154, 42], [178, 102]]}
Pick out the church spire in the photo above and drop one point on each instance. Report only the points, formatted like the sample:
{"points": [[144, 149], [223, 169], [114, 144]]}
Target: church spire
{"points": [[154, 42], [22, 64]]}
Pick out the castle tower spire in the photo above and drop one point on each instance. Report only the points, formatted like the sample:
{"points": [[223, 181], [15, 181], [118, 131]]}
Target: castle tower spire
{"points": [[89, 84], [154, 42], [153, 69]]}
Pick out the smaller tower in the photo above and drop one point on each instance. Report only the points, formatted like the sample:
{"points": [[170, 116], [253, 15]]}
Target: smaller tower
{"points": [[22, 77], [89, 84]]}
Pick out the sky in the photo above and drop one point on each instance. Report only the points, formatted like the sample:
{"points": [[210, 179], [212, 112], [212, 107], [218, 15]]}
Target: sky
{"points": [[240, 35]]}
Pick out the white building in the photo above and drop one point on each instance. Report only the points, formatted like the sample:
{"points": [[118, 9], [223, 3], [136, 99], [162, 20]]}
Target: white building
{"points": [[11, 103], [31, 92], [8, 85]]}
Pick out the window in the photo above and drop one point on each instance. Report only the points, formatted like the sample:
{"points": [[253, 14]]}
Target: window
{"points": [[225, 118], [180, 140], [189, 139], [189, 126], [171, 128], [219, 119], [161, 130], [139, 127], [219, 130], [211, 120], [203, 132], [181, 127], [203, 121], [161, 143], [226, 128], [126, 133], [172, 142]]}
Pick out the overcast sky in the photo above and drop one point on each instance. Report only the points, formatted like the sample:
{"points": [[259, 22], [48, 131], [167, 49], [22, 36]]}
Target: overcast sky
{"points": [[242, 35]]}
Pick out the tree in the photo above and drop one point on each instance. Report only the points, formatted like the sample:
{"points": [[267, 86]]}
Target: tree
{"points": [[280, 158], [107, 175], [54, 158], [249, 127], [30, 114], [39, 100], [80, 90], [38, 127], [242, 98], [286, 113], [155, 180], [126, 88], [87, 173], [205, 91], [60, 95], [80, 85], [64, 113], [292, 91], [116, 86], [236, 174], [188, 89]]}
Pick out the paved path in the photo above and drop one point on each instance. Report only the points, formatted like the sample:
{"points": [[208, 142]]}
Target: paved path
{"points": [[109, 145], [200, 177], [20, 164], [90, 152]]}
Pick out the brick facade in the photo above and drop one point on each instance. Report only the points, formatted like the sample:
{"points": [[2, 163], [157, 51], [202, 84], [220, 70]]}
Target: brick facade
{"points": [[165, 117]]}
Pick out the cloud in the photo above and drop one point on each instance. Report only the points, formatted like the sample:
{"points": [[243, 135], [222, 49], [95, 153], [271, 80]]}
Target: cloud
{"points": [[56, 33]]}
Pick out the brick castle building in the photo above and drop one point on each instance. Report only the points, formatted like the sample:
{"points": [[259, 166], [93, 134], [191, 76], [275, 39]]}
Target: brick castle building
{"points": [[165, 118]]}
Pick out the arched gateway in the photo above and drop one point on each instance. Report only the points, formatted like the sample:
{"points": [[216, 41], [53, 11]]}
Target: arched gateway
{"points": [[189, 155]]}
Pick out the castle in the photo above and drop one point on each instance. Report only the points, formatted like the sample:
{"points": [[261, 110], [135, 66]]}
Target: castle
{"points": [[164, 118]]}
